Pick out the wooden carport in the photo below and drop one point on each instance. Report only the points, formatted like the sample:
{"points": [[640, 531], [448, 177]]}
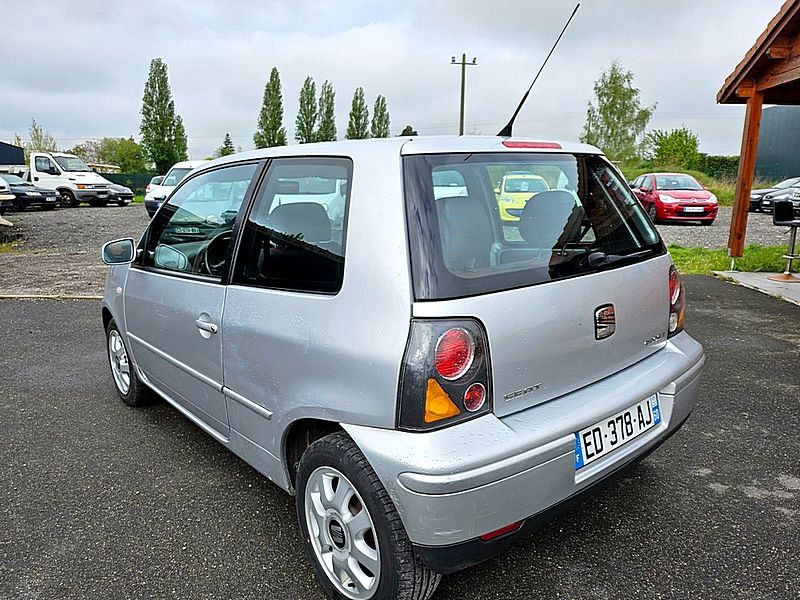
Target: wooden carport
{"points": [[768, 74]]}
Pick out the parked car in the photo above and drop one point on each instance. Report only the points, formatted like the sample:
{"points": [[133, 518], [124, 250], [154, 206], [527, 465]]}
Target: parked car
{"points": [[675, 197], [27, 196], [6, 197], [756, 196], [119, 194], [158, 192], [768, 200], [515, 189], [69, 176], [427, 379], [154, 181]]}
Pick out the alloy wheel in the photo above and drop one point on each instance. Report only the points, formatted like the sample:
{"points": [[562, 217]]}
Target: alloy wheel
{"points": [[342, 533], [120, 367]]}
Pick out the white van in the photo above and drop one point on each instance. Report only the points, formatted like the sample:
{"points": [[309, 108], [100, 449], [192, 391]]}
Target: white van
{"points": [[72, 178]]}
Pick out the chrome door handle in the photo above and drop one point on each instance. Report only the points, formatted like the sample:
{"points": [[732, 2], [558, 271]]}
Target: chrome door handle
{"points": [[206, 326]]}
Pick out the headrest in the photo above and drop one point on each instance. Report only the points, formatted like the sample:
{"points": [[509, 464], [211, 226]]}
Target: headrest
{"points": [[547, 216], [308, 218]]}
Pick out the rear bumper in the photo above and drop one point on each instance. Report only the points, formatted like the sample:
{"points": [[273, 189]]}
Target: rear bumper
{"points": [[453, 485]]}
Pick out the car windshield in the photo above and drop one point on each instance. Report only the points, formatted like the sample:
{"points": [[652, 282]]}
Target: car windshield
{"points": [[525, 184], [175, 176], [787, 183], [72, 164], [14, 180], [677, 182], [463, 244]]}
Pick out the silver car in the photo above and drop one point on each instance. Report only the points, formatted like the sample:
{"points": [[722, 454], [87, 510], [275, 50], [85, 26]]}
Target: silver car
{"points": [[428, 380]]}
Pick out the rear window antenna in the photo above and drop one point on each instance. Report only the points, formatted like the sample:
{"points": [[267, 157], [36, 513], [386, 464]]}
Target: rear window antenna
{"points": [[506, 131]]}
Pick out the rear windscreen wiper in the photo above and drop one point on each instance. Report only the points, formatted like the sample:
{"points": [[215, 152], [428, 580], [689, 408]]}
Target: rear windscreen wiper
{"points": [[601, 259]]}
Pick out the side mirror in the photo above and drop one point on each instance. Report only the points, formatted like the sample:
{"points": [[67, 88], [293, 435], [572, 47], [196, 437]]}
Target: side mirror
{"points": [[159, 198], [118, 252], [168, 257], [497, 191], [54, 171]]}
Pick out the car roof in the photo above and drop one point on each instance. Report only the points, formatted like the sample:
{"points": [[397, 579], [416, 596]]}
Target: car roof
{"points": [[193, 164], [405, 146]]}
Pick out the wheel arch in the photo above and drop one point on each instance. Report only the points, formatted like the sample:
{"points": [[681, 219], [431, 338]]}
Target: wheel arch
{"points": [[299, 436]]}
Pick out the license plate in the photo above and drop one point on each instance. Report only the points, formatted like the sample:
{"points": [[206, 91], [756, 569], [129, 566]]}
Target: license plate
{"points": [[50, 199], [611, 433], [187, 230], [693, 209]]}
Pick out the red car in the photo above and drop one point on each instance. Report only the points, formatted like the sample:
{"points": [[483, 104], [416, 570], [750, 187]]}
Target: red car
{"points": [[675, 197]]}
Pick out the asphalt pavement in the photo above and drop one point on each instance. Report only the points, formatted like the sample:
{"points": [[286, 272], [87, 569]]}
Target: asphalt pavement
{"points": [[98, 500]]}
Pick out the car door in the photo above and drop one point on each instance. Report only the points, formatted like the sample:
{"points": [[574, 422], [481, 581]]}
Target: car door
{"points": [[45, 172], [646, 191], [280, 312], [174, 294]]}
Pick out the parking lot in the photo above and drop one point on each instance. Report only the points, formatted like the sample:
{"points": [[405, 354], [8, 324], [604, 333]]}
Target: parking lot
{"points": [[60, 250], [99, 500]]}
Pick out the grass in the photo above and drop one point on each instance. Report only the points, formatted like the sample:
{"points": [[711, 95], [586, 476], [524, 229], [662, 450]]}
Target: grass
{"points": [[7, 247], [138, 198], [701, 261]]}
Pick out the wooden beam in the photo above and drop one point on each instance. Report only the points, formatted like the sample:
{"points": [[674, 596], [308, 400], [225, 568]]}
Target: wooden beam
{"points": [[744, 179], [780, 48], [746, 89]]}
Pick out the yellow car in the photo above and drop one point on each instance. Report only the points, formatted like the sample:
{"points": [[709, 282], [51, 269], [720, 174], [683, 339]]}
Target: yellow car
{"points": [[515, 190]]}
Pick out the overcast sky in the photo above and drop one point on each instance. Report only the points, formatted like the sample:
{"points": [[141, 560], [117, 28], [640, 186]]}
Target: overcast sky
{"points": [[79, 67]]}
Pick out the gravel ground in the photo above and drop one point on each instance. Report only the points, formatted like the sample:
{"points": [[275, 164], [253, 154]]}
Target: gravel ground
{"points": [[99, 500], [60, 251]]}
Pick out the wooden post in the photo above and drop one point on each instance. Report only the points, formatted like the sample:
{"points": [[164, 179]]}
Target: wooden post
{"points": [[747, 167]]}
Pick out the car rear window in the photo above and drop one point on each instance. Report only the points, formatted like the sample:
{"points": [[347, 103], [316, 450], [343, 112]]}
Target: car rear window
{"points": [[478, 240]]}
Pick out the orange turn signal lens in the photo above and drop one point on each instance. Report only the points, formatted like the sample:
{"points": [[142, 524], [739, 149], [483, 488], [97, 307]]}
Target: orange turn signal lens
{"points": [[438, 405]]}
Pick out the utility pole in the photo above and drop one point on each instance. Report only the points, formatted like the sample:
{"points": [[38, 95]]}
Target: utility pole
{"points": [[464, 64]]}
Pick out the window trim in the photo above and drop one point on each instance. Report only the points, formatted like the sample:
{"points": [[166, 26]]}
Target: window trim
{"points": [[139, 263], [232, 267]]}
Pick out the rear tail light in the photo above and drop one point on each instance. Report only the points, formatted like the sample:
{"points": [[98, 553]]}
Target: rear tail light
{"points": [[147, 189], [445, 374], [677, 302]]}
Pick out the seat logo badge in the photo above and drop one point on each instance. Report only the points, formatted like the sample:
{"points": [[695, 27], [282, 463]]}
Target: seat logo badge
{"points": [[605, 321], [523, 392]]}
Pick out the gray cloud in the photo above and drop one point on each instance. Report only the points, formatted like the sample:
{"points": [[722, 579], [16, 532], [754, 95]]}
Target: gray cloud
{"points": [[79, 67]]}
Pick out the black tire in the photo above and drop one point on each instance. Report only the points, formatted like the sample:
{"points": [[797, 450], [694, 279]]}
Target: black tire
{"points": [[69, 199], [98, 203], [402, 574], [653, 213], [138, 394], [19, 205]]}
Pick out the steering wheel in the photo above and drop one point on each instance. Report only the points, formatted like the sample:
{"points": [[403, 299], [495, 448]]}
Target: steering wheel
{"points": [[211, 257]]}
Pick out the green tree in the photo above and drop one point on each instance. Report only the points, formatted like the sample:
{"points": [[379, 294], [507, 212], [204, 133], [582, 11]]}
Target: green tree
{"points": [[676, 148], [380, 118], [306, 121], [358, 124], [39, 140], [227, 147], [326, 130], [617, 122], [88, 151], [163, 134], [270, 131], [408, 130], [129, 156]]}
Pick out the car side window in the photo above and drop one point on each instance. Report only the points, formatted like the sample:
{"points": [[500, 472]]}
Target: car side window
{"points": [[44, 164], [193, 230], [646, 185], [294, 238]]}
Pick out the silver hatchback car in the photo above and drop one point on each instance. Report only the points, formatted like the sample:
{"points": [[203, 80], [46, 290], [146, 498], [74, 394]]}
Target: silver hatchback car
{"points": [[357, 322]]}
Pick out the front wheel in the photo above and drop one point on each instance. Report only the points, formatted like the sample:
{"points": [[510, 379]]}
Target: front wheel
{"points": [[351, 529], [69, 199], [128, 385], [653, 213]]}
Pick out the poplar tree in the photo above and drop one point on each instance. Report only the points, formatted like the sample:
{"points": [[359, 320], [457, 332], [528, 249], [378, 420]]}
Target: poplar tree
{"points": [[270, 131], [163, 134], [358, 124], [380, 118], [326, 131], [306, 121]]}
